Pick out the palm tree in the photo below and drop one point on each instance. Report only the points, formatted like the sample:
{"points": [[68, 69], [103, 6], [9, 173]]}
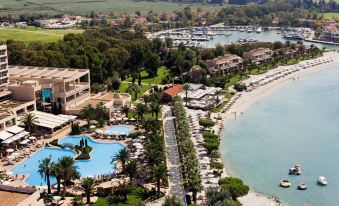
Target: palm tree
{"points": [[133, 88], [87, 185], [100, 110], [151, 125], [140, 110], [87, 113], [69, 170], [155, 108], [122, 156], [45, 171], [125, 109], [56, 171], [195, 187], [132, 168], [218, 93], [186, 88], [123, 189], [172, 201], [159, 173], [29, 120]]}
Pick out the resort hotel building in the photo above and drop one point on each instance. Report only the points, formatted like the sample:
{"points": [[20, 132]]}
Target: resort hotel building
{"points": [[54, 95]]}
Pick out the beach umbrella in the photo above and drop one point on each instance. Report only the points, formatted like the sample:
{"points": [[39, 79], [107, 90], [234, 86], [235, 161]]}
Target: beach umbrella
{"points": [[9, 150], [132, 119], [15, 154], [92, 127], [10, 157], [142, 137], [125, 118], [32, 138]]}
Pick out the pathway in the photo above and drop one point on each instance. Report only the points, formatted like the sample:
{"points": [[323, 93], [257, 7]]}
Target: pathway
{"points": [[173, 161]]}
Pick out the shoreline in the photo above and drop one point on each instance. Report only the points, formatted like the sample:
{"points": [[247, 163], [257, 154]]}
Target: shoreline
{"points": [[247, 99]]}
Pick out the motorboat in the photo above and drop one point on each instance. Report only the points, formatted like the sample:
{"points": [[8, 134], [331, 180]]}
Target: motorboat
{"points": [[285, 183], [302, 186], [296, 170], [322, 180], [259, 30]]}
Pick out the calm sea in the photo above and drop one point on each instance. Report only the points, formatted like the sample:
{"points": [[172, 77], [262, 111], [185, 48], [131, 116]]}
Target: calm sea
{"points": [[297, 123], [267, 36]]}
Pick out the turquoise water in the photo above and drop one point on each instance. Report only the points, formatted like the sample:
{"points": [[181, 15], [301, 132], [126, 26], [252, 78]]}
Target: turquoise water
{"points": [[118, 130], [31, 165], [46, 93], [296, 123], [267, 36], [99, 163]]}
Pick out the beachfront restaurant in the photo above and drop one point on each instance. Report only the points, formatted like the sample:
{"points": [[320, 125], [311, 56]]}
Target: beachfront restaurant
{"points": [[201, 97]]}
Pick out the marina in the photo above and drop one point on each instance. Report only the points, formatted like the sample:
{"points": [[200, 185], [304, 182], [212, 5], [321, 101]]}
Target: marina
{"points": [[208, 37]]}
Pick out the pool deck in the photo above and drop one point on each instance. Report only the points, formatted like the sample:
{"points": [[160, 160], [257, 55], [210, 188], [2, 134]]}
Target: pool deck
{"points": [[20, 179]]}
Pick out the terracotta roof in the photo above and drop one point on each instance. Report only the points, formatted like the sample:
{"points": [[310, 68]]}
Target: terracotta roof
{"points": [[174, 90]]}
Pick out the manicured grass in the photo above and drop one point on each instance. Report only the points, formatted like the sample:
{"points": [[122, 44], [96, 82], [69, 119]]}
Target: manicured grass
{"points": [[143, 89], [162, 72], [31, 33], [81, 7], [331, 15], [133, 199]]}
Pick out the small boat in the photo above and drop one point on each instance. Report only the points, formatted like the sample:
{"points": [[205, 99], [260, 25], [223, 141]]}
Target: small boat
{"points": [[242, 30], [285, 183], [322, 180], [259, 30], [296, 170], [249, 30], [302, 186]]}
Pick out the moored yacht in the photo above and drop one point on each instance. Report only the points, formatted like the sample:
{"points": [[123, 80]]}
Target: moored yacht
{"points": [[259, 30], [322, 180]]}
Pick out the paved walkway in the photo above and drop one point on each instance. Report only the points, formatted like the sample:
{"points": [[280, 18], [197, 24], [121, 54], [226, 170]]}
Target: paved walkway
{"points": [[173, 162]]}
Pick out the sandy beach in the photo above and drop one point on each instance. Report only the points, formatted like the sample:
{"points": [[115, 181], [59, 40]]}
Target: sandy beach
{"points": [[248, 98]]}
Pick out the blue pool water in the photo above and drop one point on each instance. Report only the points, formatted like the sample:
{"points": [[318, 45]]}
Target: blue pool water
{"points": [[118, 129], [31, 165], [296, 123], [46, 93], [99, 163]]}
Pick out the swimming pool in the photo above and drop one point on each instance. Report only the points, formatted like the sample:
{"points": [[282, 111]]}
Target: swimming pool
{"points": [[118, 130], [46, 93], [99, 163]]}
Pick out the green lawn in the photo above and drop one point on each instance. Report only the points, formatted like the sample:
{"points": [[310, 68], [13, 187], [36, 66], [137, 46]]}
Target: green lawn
{"points": [[144, 88], [31, 33], [81, 7], [133, 199], [162, 72], [331, 15]]}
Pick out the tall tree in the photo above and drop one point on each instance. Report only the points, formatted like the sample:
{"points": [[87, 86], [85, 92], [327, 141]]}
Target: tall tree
{"points": [[69, 170], [186, 88], [29, 120], [159, 173], [87, 113], [122, 156], [45, 171], [88, 185]]}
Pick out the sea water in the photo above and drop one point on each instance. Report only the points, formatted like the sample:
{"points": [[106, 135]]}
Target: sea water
{"points": [[296, 123]]}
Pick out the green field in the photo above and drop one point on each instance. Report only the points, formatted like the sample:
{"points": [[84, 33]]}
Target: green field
{"points": [[84, 7], [31, 33], [331, 15]]}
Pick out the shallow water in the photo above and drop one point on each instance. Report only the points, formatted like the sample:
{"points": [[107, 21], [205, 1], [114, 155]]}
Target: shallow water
{"points": [[296, 123]]}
